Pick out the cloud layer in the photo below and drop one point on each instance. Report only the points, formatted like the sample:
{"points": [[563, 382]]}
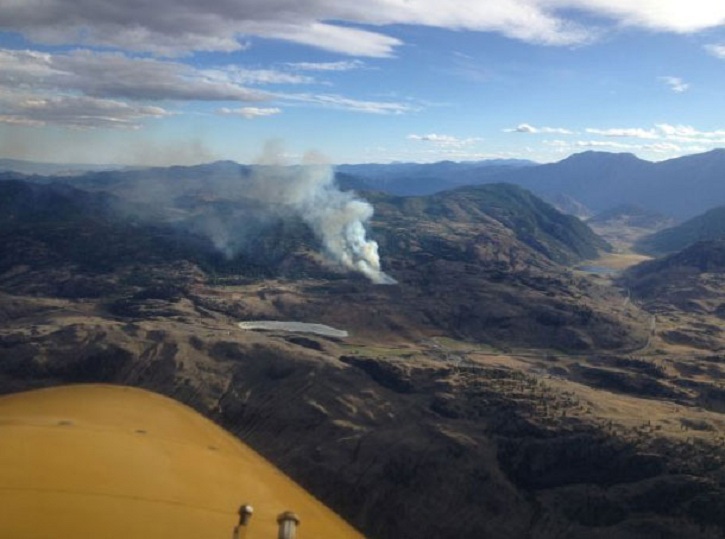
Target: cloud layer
{"points": [[445, 141], [666, 139], [168, 27], [676, 84], [113, 89], [530, 129]]}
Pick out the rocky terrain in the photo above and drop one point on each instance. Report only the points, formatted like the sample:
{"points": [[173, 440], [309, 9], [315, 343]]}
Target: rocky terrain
{"points": [[686, 292], [491, 392]]}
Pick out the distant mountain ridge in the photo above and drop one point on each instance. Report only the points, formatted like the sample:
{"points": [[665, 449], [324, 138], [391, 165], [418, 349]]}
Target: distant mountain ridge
{"points": [[632, 215], [405, 179], [51, 169], [464, 212], [693, 278], [680, 187], [591, 181], [477, 260], [705, 227]]}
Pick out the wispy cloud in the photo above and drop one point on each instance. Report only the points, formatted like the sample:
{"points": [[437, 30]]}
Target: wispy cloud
{"points": [[87, 89], [445, 141], [115, 75], [530, 129], [340, 102], [80, 112], [667, 133], [716, 49], [55, 82], [663, 147], [631, 132], [249, 112], [603, 144], [253, 77], [344, 65], [687, 133], [666, 139], [676, 84], [168, 27]]}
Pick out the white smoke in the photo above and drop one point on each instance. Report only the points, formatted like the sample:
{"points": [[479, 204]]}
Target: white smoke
{"points": [[337, 217]]}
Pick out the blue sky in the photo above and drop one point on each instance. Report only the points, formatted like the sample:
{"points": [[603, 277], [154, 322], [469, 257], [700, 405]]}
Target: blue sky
{"points": [[155, 83]]}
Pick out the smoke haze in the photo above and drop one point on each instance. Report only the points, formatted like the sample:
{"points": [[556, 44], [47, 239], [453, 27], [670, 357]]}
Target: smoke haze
{"points": [[337, 217], [236, 206]]}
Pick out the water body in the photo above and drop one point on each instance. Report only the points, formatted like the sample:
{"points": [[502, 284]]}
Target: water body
{"points": [[599, 270], [297, 327]]}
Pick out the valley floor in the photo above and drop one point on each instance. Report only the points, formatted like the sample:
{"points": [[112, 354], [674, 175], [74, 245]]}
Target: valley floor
{"points": [[507, 441]]}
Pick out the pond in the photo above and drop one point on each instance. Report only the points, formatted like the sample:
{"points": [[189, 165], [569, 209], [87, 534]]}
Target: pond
{"points": [[297, 327], [599, 270]]}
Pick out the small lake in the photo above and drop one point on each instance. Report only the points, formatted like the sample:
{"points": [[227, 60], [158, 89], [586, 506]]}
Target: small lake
{"points": [[598, 270], [297, 327]]}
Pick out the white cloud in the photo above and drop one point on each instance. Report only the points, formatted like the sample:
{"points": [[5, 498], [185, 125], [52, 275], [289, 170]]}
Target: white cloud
{"points": [[603, 144], [661, 15], [86, 89], [344, 65], [341, 39], [663, 131], [523, 128], [115, 75], [241, 75], [662, 147], [530, 129], [168, 27], [249, 112], [339, 102], [557, 143], [75, 111], [665, 139], [717, 50], [676, 84], [687, 133], [445, 141], [633, 132]]}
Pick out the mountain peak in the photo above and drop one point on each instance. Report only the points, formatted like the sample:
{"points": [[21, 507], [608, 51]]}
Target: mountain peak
{"points": [[609, 157]]}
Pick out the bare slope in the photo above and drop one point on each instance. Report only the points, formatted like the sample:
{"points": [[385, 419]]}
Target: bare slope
{"points": [[517, 398], [708, 226], [503, 445]]}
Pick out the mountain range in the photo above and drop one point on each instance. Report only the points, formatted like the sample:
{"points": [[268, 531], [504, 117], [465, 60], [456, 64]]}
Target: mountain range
{"points": [[681, 188], [526, 398], [587, 183], [708, 226]]}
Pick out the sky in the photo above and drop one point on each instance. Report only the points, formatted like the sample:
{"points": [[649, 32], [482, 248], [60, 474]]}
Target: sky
{"points": [[187, 81]]}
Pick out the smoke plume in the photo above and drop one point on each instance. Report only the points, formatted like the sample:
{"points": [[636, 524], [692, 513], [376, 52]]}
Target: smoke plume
{"points": [[337, 217], [237, 207]]}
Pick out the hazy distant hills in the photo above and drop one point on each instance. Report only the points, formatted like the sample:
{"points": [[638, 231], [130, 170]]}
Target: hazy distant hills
{"points": [[681, 187], [49, 227], [708, 226], [428, 178], [47, 169], [193, 192], [561, 238], [60, 210], [472, 260], [700, 257], [583, 184], [632, 215], [524, 396]]}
